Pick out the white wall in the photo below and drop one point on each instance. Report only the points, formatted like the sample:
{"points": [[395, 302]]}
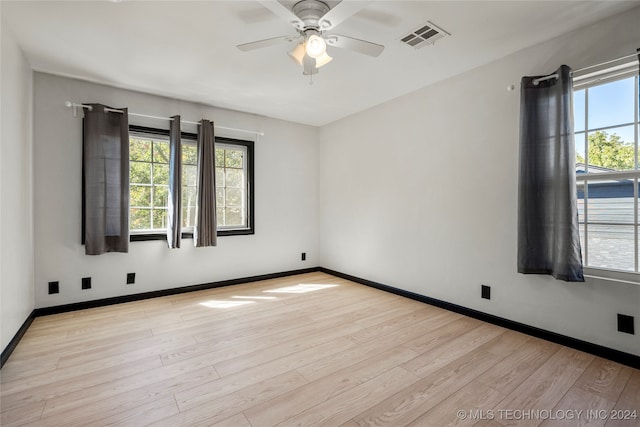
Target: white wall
{"points": [[16, 207], [420, 193], [286, 224]]}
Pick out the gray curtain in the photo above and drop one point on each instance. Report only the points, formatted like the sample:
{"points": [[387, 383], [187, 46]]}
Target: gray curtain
{"points": [[105, 180], [175, 184], [548, 239], [205, 229]]}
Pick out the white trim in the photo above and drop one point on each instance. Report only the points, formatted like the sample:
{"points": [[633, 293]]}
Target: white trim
{"points": [[601, 70], [244, 188], [612, 275], [608, 176], [621, 72], [585, 82]]}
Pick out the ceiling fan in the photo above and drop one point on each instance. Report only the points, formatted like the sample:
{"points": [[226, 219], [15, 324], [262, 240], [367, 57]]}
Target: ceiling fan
{"points": [[312, 19]]}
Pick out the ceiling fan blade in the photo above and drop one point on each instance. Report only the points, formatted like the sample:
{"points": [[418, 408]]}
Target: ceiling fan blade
{"points": [[282, 11], [357, 45], [340, 12], [265, 43]]}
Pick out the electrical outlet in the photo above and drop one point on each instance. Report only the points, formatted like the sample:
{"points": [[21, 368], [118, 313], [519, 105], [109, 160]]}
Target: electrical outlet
{"points": [[625, 324], [131, 278], [304, 256], [54, 287], [485, 291], [86, 283]]}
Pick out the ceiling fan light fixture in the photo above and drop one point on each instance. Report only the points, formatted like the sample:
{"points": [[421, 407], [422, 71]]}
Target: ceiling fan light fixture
{"points": [[297, 54], [323, 59], [315, 46]]}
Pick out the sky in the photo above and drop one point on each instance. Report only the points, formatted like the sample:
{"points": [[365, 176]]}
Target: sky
{"points": [[610, 104]]}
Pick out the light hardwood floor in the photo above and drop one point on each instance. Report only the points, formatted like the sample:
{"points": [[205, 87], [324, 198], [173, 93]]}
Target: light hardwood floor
{"points": [[303, 350]]}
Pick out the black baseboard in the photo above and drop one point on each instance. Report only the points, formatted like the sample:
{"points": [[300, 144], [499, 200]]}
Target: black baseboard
{"points": [[16, 339], [165, 292], [587, 347], [595, 349]]}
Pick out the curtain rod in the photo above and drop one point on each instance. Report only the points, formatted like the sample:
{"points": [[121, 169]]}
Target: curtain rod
{"points": [[75, 106], [555, 75]]}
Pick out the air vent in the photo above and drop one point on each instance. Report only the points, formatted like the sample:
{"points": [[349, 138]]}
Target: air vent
{"points": [[427, 34]]}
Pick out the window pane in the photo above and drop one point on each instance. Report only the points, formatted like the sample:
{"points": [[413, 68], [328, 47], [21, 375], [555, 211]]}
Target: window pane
{"points": [[220, 197], [584, 249], [611, 201], [161, 174], [139, 173], [160, 196], [220, 181], [580, 188], [220, 215], [609, 151], [234, 158], [140, 149], [578, 110], [188, 195], [189, 175], [625, 133], [140, 219], [188, 215], [611, 104], [233, 216], [233, 197], [581, 226], [140, 196], [611, 246], [233, 178], [220, 157], [159, 219], [188, 206], [189, 154], [160, 152], [580, 150]]}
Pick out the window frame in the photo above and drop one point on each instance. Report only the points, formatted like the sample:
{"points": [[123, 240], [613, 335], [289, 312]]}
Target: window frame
{"points": [[225, 142], [585, 178], [144, 133], [250, 191]]}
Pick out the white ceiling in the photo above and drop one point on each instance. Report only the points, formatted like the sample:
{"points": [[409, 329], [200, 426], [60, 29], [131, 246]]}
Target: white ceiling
{"points": [[186, 49]]}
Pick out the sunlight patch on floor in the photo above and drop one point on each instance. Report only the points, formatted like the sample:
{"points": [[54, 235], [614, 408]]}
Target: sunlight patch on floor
{"points": [[224, 304], [240, 300], [300, 289]]}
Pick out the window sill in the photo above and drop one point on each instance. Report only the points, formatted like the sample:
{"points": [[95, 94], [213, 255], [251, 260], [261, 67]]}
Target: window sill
{"points": [[612, 275]]}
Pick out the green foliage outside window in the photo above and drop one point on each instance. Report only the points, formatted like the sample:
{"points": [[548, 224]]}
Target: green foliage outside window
{"points": [[608, 151]]}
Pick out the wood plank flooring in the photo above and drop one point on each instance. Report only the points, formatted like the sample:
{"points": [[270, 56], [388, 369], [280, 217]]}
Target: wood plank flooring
{"points": [[303, 350]]}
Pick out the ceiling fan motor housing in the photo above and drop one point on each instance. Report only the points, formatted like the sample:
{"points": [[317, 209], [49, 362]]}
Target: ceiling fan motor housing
{"points": [[310, 12]]}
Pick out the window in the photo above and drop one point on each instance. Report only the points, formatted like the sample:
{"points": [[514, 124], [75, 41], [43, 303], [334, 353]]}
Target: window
{"points": [[606, 120], [231, 188], [149, 184]]}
